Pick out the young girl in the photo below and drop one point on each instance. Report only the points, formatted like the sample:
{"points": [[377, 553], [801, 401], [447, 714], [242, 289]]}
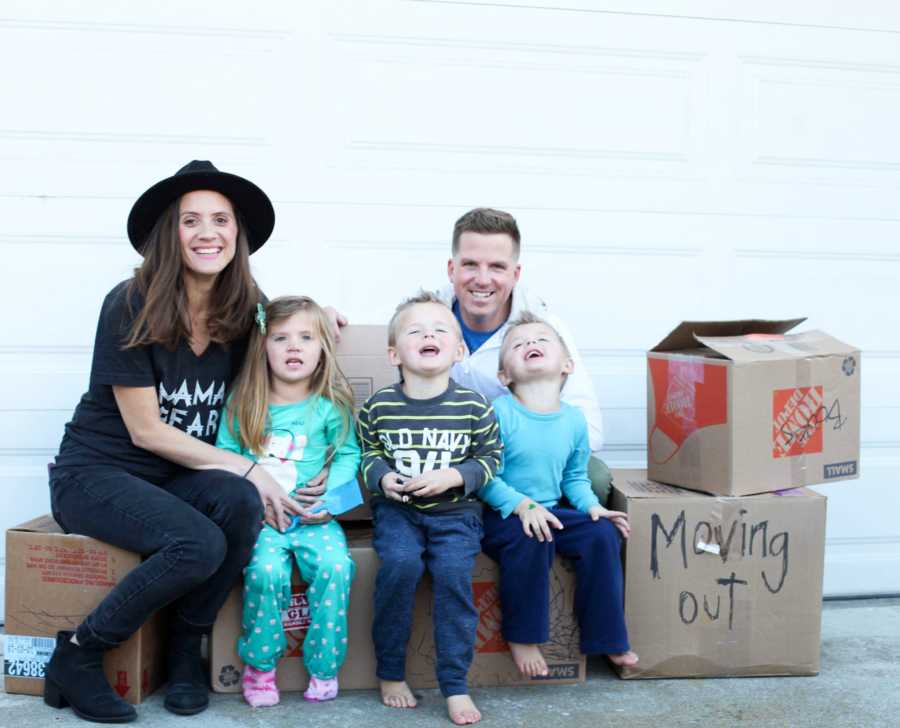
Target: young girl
{"points": [[290, 406], [545, 457]]}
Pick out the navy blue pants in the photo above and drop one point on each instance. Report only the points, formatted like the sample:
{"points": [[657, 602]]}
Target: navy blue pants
{"points": [[197, 532], [407, 541], [595, 550]]}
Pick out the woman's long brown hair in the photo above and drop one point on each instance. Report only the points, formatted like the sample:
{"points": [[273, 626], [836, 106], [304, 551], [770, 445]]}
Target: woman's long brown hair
{"points": [[248, 405], [164, 318]]}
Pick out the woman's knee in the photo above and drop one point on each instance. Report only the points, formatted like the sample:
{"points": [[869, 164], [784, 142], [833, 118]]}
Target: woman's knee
{"points": [[239, 505], [197, 551]]}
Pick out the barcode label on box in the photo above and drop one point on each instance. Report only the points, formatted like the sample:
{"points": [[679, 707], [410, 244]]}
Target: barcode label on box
{"points": [[26, 656]]}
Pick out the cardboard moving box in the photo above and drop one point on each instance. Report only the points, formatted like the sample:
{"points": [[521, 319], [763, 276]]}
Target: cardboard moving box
{"points": [[721, 587], [53, 581], [739, 407], [362, 356], [492, 665]]}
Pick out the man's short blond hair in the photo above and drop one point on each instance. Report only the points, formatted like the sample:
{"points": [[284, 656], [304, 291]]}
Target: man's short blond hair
{"points": [[524, 318], [422, 296]]}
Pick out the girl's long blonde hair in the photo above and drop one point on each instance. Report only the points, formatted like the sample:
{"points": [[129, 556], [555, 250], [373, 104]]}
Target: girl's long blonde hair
{"points": [[249, 401]]}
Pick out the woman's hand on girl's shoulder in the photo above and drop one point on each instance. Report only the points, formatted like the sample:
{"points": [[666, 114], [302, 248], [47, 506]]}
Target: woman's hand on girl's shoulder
{"points": [[337, 321]]}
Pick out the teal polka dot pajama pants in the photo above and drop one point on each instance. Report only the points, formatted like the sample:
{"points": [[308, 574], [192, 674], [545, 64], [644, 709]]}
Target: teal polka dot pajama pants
{"points": [[326, 567]]}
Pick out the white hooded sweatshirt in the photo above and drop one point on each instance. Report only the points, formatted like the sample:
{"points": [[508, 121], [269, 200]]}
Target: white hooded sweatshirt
{"points": [[478, 371]]}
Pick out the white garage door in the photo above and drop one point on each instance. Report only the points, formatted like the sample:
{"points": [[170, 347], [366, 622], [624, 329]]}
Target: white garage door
{"points": [[666, 161]]}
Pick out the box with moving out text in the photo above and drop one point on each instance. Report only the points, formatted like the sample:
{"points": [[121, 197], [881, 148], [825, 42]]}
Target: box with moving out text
{"points": [[721, 586]]}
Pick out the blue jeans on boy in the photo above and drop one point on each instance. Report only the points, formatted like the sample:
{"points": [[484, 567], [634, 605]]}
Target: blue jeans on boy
{"points": [[525, 562], [408, 541]]}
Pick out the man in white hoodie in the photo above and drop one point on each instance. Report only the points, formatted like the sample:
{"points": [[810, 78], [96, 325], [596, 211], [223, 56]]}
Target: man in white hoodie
{"points": [[483, 272]]}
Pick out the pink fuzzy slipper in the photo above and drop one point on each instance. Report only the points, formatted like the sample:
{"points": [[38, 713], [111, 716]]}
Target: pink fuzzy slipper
{"points": [[320, 690], [259, 687]]}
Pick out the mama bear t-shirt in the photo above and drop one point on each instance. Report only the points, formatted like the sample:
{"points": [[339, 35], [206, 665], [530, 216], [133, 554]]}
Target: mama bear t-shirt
{"points": [[190, 390]]}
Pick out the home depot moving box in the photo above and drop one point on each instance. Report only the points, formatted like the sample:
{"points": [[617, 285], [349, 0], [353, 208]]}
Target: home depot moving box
{"points": [[492, 665], [738, 407], [53, 580], [362, 356], [721, 586]]}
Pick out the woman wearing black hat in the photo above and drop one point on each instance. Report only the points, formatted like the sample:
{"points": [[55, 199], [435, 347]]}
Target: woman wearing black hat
{"points": [[137, 467]]}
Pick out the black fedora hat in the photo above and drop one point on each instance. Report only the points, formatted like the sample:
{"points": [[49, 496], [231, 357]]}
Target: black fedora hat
{"points": [[254, 205]]}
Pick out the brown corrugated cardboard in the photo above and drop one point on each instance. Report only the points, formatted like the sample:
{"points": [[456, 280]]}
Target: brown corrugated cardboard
{"points": [[53, 580], [721, 586], [362, 356], [492, 664], [739, 407]]}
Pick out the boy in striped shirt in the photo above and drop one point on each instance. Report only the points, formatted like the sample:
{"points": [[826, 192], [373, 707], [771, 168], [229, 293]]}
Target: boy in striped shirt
{"points": [[428, 446]]}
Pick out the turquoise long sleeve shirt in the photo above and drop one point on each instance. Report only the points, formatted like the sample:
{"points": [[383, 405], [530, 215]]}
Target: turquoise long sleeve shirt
{"points": [[297, 443], [545, 456]]}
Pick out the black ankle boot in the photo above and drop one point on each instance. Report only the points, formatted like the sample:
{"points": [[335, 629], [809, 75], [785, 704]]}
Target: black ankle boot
{"points": [[188, 691], [74, 676]]}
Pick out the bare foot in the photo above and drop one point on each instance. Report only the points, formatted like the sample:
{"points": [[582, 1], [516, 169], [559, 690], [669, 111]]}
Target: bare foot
{"points": [[462, 710], [396, 694], [624, 659], [528, 659]]}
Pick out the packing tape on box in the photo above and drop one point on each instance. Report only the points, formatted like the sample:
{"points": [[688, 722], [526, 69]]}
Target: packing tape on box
{"points": [[804, 380]]}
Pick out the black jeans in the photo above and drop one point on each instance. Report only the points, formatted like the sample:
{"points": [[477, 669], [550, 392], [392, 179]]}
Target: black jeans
{"points": [[196, 531]]}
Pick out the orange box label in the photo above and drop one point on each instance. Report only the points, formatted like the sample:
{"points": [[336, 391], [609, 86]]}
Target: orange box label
{"points": [[797, 417], [488, 637]]}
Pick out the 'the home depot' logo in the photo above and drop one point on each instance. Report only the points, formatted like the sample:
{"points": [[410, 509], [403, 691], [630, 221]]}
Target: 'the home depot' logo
{"points": [[797, 417], [490, 619]]}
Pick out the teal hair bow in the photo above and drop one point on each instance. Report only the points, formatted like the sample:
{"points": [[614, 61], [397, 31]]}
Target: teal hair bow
{"points": [[261, 318]]}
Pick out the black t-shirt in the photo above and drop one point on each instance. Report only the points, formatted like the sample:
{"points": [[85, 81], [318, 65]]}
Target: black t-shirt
{"points": [[190, 389]]}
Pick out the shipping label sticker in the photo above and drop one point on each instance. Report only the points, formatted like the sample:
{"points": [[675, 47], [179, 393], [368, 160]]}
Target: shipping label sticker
{"points": [[26, 656], [797, 419], [488, 637]]}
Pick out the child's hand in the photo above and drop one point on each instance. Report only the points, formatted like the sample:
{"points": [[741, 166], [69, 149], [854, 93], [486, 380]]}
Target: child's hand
{"points": [[308, 518], [434, 482], [309, 493], [392, 486], [619, 519], [536, 520]]}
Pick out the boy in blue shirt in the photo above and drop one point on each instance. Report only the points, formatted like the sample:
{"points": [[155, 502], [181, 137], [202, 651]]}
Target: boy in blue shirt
{"points": [[545, 457]]}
